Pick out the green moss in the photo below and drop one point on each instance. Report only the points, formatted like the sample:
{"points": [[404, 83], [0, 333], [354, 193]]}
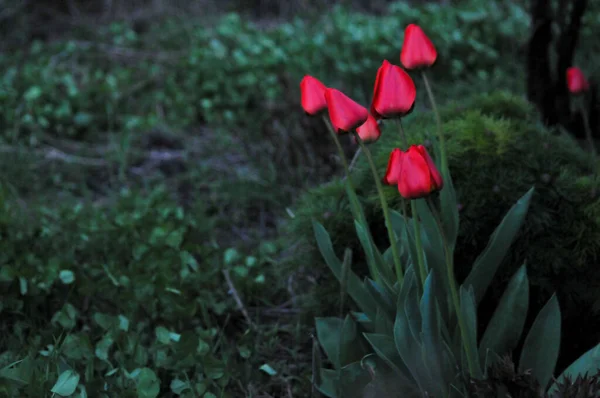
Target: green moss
{"points": [[497, 151]]}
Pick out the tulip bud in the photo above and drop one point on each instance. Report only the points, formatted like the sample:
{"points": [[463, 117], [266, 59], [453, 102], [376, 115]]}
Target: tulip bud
{"points": [[369, 131], [417, 50], [345, 114], [394, 92], [312, 93], [418, 176], [393, 168], [576, 81]]}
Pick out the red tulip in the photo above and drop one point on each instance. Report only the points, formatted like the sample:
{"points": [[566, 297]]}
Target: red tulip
{"points": [[576, 81], [393, 168], [417, 50], [394, 93], [345, 114], [414, 172], [369, 131], [312, 93]]}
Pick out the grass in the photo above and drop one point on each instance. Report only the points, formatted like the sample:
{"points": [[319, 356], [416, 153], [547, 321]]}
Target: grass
{"points": [[144, 179]]}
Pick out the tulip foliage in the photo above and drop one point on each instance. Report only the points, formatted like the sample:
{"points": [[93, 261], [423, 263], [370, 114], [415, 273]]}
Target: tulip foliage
{"points": [[414, 332]]}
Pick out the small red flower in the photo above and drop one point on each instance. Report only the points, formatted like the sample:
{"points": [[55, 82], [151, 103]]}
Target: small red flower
{"points": [[418, 177], [312, 93], [369, 131], [417, 50], [394, 92], [576, 81], [393, 168], [345, 114]]}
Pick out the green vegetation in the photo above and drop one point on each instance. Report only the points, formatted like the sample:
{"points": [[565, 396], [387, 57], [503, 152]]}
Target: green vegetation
{"points": [[494, 157], [145, 176]]}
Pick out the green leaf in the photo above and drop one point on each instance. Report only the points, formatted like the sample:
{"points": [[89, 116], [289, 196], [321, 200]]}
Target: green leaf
{"points": [[339, 339], [103, 346], [268, 369], [587, 363], [385, 348], [162, 335], [378, 270], [504, 329], [355, 288], [355, 206], [433, 346], [66, 276], [179, 386], [469, 313], [407, 343], [449, 209], [382, 297], [487, 263], [540, 350], [66, 384], [148, 385], [32, 93], [354, 377]]}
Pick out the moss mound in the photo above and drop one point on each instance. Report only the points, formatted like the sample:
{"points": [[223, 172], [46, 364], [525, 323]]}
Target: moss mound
{"points": [[497, 151]]}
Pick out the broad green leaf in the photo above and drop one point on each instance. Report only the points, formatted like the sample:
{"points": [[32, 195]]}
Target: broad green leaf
{"points": [[430, 225], [587, 363], [540, 350], [66, 276], [407, 344], [469, 314], [383, 323], [354, 379], [431, 337], [178, 387], [385, 301], [355, 206], [449, 209], [268, 369], [504, 329], [355, 288], [148, 385], [385, 348], [339, 339], [399, 226], [66, 384], [379, 270], [103, 346], [487, 263], [434, 253]]}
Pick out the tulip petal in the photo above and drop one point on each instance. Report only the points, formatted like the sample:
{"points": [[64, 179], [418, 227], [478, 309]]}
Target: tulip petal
{"points": [[417, 50], [393, 169], [436, 177], [312, 93], [416, 179], [576, 80], [394, 92], [369, 131], [345, 114]]}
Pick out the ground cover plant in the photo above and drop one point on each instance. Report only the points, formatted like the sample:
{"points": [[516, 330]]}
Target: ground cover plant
{"points": [[147, 170]]}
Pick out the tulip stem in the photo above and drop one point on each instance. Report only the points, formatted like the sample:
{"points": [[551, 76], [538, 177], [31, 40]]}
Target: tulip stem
{"points": [[453, 288], [402, 134], [417, 230], [386, 212], [588, 130], [340, 150], [416, 224], [354, 204], [444, 160], [355, 158]]}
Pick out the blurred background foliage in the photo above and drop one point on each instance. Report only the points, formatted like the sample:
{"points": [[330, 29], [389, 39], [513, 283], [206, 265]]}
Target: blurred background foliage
{"points": [[150, 150]]}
